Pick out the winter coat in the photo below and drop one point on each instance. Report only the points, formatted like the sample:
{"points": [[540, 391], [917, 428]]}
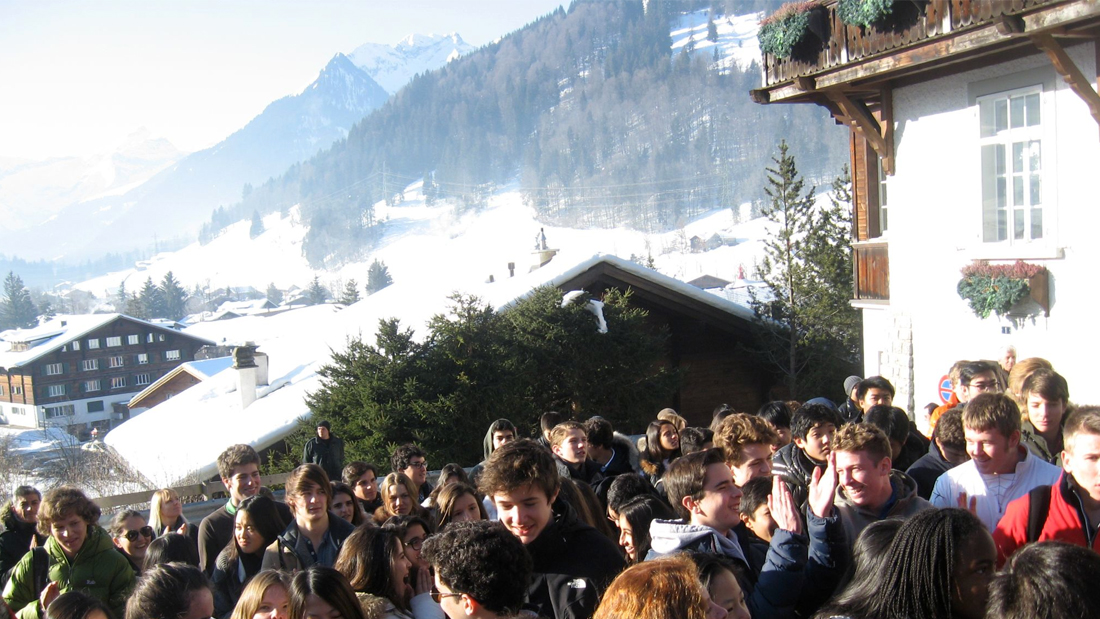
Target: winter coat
{"points": [[216, 531], [857, 517], [1065, 521], [927, 469], [573, 565], [98, 570], [777, 582], [290, 552], [914, 448], [625, 459], [588, 471], [15, 541], [993, 493], [1035, 442], [850, 411], [228, 583], [325, 453], [797, 469]]}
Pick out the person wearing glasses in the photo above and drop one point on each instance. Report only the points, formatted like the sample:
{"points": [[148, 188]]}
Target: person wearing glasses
{"points": [[131, 534], [373, 560], [412, 462], [481, 570], [78, 556], [239, 468]]}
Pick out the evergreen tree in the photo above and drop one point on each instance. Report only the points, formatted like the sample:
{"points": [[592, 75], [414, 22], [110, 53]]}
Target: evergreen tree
{"points": [[712, 30], [45, 309], [121, 298], [378, 277], [257, 225], [135, 308], [152, 301], [17, 310], [804, 321], [351, 293], [173, 296], [274, 294], [315, 292]]}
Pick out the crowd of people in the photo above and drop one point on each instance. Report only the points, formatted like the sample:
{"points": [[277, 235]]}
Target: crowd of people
{"points": [[800, 509]]}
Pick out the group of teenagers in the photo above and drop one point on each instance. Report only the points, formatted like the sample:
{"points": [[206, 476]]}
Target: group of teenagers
{"points": [[796, 510]]}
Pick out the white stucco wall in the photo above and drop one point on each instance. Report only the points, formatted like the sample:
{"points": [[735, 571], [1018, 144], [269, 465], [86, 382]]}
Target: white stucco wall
{"points": [[935, 229]]}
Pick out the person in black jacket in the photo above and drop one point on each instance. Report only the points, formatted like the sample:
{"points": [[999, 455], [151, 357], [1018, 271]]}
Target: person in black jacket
{"points": [[569, 442], [812, 430], [20, 517], [947, 450], [573, 562], [325, 450], [613, 453], [257, 525], [849, 410], [907, 444]]}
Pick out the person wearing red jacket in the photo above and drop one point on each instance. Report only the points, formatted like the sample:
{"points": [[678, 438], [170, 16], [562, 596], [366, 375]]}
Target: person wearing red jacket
{"points": [[1073, 506]]}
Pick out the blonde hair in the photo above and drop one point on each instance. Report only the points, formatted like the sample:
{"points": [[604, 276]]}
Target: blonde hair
{"points": [[1019, 374], [254, 591], [156, 520], [670, 415], [658, 589], [390, 481]]}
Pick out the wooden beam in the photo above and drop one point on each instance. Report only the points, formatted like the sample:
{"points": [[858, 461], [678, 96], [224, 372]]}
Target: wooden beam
{"points": [[886, 114], [805, 83], [1073, 76], [1009, 25], [861, 119]]}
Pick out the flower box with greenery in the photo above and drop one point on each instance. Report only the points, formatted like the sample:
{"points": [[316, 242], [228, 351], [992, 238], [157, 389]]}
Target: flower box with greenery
{"points": [[996, 288], [782, 32], [864, 13]]}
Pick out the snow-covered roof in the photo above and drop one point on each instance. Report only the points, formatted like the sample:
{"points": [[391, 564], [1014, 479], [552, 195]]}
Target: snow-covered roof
{"points": [[299, 342], [55, 333], [202, 369]]}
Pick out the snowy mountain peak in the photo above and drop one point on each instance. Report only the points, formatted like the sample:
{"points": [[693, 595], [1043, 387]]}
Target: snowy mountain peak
{"points": [[392, 66]]}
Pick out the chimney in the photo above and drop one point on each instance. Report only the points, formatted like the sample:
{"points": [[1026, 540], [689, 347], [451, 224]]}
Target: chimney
{"points": [[244, 361], [511, 269]]}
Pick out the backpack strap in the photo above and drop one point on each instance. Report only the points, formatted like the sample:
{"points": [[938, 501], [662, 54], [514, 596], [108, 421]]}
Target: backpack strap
{"points": [[1038, 507], [40, 565]]}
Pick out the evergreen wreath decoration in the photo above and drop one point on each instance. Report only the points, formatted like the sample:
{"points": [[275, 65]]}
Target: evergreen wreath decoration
{"points": [[781, 31], [864, 12], [995, 288]]}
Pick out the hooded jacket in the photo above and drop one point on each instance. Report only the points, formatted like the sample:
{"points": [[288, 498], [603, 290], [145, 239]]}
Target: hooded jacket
{"points": [[927, 469], [15, 541], [573, 565], [625, 460], [289, 552], [906, 503], [98, 570], [1035, 442]]}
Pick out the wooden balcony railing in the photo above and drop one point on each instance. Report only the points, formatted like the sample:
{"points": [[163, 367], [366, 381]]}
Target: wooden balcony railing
{"points": [[914, 21], [871, 266]]}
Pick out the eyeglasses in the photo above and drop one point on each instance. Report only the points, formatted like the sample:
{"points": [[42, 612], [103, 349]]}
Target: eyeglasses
{"points": [[416, 543], [984, 385], [145, 531], [418, 465], [437, 595]]}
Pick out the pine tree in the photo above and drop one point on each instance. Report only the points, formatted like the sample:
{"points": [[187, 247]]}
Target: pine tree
{"points": [[712, 30], [378, 277], [152, 301], [121, 298], [135, 308], [808, 330], [17, 310], [173, 297], [351, 293], [45, 309], [257, 225], [315, 292], [274, 294]]}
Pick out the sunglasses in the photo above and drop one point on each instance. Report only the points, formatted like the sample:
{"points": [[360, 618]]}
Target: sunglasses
{"points": [[145, 531], [437, 595]]}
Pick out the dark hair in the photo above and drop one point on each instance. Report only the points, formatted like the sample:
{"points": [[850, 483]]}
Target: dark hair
{"points": [[517, 464], [687, 476], [654, 453], [75, 605], [693, 439], [776, 413], [453, 469], [949, 429], [586, 504], [483, 560], [599, 432], [300, 479], [971, 369], [399, 461], [548, 420], [754, 493], [810, 416], [1047, 384], [366, 560], [624, 488], [234, 456], [327, 584], [22, 492], [357, 469], [1047, 580], [171, 548], [868, 559], [265, 518], [720, 412], [873, 382], [893, 421], [709, 564], [339, 487], [165, 591], [401, 525], [118, 521], [640, 512], [920, 579]]}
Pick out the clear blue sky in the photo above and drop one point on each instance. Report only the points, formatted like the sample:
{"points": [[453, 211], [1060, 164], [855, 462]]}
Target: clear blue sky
{"points": [[78, 76]]}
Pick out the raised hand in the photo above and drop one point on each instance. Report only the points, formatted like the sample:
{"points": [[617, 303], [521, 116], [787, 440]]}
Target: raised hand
{"points": [[49, 594], [423, 581], [970, 505], [823, 489], [783, 509]]}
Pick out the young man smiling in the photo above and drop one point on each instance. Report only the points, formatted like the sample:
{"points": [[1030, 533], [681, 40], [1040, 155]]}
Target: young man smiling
{"points": [[412, 461], [1000, 469], [573, 563]]}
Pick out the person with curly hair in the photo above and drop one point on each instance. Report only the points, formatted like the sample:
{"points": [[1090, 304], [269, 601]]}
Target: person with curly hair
{"points": [[481, 570], [412, 462]]}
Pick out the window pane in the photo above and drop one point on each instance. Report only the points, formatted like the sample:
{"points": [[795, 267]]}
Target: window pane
{"points": [[1036, 190], [1002, 192], [1002, 225], [1035, 156], [1017, 109], [1017, 157], [985, 113], [1017, 191], [990, 194], [1001, 122], [1033, 110], [1000, 149], [1036, 223], [1018, 223]]}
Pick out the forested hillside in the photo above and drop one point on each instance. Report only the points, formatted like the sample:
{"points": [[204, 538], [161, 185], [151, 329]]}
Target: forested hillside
{"points": [[589, 109]]}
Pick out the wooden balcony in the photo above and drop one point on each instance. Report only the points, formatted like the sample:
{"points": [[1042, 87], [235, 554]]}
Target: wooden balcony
{"points": [[871, 270]]}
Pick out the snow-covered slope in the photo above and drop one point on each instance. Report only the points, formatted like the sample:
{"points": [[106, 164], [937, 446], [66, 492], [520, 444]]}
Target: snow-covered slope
{"points": [[392, 66], [737, 44]]}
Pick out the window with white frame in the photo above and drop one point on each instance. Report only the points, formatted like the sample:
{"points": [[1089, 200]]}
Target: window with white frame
{"points": [[118, 382], [882, 218], [92, 385], [60, 411], [90, 365], [53, 369], [1011, 138], [114, 341], [149, 338], [171, 355], [76, 344], [133, 340], [142, 379], [17, 389], [142, 358], [115, 362], [93, 343], [55, 391]]}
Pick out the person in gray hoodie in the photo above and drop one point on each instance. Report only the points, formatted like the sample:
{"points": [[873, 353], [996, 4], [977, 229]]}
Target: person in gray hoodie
{"points": [[870, 490], [500, 432]]}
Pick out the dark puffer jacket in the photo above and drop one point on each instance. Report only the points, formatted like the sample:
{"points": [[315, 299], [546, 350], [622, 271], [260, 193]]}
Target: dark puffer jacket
{"points": [[797, 469], [15, 541]]}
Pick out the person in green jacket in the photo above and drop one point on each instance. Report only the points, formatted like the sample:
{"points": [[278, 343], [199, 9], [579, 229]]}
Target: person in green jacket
{"points": [[81, 557]]}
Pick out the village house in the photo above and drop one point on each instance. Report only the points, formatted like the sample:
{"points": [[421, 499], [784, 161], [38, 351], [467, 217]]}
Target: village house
{"points": [[974, 136]]}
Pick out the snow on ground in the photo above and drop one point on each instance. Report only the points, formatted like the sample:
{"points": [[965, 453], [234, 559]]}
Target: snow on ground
{"points": [[737, 43]]}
